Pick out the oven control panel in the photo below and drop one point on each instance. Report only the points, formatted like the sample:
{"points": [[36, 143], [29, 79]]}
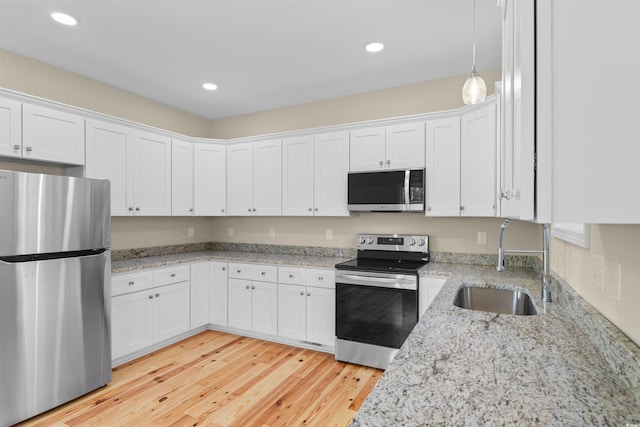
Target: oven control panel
{"points": [[393, 242]]}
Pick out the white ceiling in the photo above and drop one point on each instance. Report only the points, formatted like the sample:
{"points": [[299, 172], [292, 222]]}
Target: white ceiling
{"points": [[263, 54]]}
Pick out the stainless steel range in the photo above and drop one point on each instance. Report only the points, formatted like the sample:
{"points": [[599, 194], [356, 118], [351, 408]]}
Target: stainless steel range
{"points": [[378, 297]]}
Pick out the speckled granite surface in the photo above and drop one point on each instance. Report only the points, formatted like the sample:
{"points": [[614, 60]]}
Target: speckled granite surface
{"points": [[464, 367]]}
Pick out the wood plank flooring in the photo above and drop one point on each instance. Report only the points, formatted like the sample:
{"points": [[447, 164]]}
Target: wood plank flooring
{"points": [[217, 379]]}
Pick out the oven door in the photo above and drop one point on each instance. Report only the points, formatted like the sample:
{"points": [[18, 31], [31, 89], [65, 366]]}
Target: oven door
{"points": [[376, 308]]}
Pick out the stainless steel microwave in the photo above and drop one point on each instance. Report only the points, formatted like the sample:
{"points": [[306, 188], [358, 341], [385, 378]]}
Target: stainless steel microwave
{"points": [[386, 191]]}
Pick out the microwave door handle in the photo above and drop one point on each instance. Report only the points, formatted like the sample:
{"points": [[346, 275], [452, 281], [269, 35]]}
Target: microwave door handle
{"points": [[407, 176]]}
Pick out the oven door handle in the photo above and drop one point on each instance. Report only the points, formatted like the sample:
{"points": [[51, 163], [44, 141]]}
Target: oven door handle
{"points": [[381, 282]]}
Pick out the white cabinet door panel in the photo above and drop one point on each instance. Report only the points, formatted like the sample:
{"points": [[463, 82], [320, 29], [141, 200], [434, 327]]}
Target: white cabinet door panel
{"points": [[200, 294], [321, 315], [171, 311], [152, 174], [367, 149], [331, 166], [10, 128], [292, 311], [181, 178], [240, 179], [297, 176], [109, 150], [218, 297], [239, 313], [405, 146], [210, 180], [267, 178], [442, 172], [264, 307], [131, 322]]}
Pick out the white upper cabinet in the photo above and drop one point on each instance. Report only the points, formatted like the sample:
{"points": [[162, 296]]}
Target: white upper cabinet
{"points": [[240, 179], [10, 128], [517, 103], [109, 150], [405, 146], [478, 192], [588, 108], [297, 176], [152, 174], [392, 147], [51, 135], [182, 179], [254, 178], [367, 151], [210, 180], [267, 178], [442, 172], [461, 163], [331, 166], [315, 175]]}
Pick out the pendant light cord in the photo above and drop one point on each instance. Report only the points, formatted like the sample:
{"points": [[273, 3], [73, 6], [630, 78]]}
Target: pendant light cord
{"points": [[473, 67]]}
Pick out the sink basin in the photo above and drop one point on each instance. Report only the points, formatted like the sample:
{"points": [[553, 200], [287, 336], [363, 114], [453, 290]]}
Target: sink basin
{"points": [[506, 301]]}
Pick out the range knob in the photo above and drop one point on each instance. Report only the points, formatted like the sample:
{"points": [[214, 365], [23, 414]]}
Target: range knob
{"points": [[412, 242], [421, 242], [370, 240], [361, 240]]}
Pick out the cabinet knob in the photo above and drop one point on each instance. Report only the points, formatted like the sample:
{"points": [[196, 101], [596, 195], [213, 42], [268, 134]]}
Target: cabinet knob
{"points": [[316, 209], [381, 163], [29, 149], [264, 273], [309, 209], [150, 296], [224, 268], [461, 208], [157, 295], [191, 210], [388, 162], [137, 209], [429, 208], [16, 147], [173, 274], [253, 287], [130, 208], [238, 271], [247, 287], [308, 294], [249, 209], [254, 209], [320, 278], [131, 283], [222, 210], [301, 293], [291, 276]]}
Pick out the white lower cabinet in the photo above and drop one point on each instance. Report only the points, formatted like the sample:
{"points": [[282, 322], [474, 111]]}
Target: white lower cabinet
{"points": [[200, 293], [218, 293], [253, 298], [148, 307], [305, 312]]}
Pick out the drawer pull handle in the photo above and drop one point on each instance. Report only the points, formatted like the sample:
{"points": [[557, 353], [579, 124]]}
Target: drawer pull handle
{"points": [[291, 276], [173, 274], [131, 283], [238, 271], [320, 278], [264, 273]]}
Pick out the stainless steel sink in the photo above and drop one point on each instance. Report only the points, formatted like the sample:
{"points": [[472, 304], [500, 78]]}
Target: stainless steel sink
{"points": [[507, 301]]}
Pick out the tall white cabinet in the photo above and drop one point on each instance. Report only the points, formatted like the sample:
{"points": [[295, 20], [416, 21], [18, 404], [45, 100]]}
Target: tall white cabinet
{"points": [[442, 172]]}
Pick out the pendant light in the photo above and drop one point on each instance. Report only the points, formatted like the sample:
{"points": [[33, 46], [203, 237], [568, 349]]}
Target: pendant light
{"points": [[474, 89]]}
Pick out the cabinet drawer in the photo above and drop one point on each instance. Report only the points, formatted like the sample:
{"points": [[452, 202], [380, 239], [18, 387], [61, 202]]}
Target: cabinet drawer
{"points": [[240, 271], [320, 277], [292, 275], [124, 283], [265, 273], [169, 275]]}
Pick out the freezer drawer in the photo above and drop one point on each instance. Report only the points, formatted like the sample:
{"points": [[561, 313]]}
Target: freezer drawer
{"points": [[54, 332]]}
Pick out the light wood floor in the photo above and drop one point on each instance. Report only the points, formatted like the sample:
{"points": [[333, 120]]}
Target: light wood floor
{"points": [[217, 379]]}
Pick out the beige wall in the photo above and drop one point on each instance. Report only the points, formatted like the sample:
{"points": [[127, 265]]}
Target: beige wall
{"points": [[143, 232], [426, 97], [36, 78], [578, 266]]}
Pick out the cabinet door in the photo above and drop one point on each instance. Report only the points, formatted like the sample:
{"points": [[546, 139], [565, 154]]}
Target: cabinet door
{"points": [[240, 179], [267, 178], [331, 166], [405, 146], [52, 135], [264, 307], [218, 297], [517, 110], [152, 174], [367, 149], [10, 128], [109, 150], [200, 294], [442, 172], [181, 178], [292, 311], [170, 311], [429, 288], [321, 315], [297, 176], [239, 307], [478, 191], [209, 180], [131, 322]]}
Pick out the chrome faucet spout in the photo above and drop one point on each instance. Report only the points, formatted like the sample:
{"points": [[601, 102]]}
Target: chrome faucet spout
{"points": [[546, 275]]}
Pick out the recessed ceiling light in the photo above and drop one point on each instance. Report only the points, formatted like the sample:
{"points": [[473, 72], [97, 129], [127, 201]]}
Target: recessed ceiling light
{"points": [[210, 86], [374, 47], [64, 19]]}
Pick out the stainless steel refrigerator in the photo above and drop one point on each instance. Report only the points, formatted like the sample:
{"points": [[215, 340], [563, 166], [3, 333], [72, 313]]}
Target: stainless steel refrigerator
{"points": [[55, 269]]}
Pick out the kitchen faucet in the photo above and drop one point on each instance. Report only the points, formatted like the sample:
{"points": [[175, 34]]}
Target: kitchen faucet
{"points": [[546, 277]]}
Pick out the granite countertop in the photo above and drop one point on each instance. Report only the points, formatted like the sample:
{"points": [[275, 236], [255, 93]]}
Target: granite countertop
{"points": [[465, 367], [134, 264]]}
